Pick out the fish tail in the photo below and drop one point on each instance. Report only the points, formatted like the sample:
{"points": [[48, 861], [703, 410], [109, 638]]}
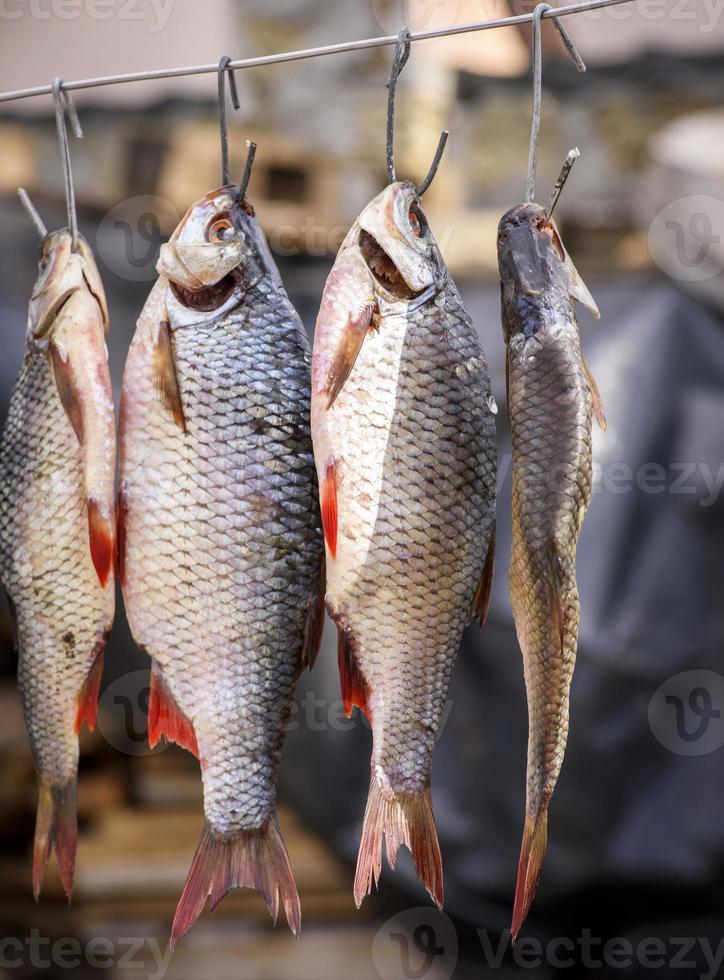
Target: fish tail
{"points": [[249, 859], [402, 818], [532, 850], [56, 826]]}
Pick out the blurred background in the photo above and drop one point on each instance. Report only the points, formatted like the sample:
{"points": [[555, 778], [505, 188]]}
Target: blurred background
{"points": [[633, 883]]}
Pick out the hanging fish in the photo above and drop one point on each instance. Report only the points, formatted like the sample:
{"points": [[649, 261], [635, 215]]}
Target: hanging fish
{"points": [[57, 529], [404, 442], [221, 549], [552, 399]]}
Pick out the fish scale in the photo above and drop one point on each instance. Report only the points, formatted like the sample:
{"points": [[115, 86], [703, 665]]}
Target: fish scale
{"points": [[223, 548]]}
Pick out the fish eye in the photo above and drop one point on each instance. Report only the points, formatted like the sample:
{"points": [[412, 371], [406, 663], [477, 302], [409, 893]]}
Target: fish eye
{"points": [[220, 230], [417, 220]]}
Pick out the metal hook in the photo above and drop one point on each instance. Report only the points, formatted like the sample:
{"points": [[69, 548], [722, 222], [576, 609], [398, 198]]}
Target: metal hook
{"points": [[32, 212], [399, 60], [65, 110], [247, 169], [573, 155], [224, 70], [537, 89]]}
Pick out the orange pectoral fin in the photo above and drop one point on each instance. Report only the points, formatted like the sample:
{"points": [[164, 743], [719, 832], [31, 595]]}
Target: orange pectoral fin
{"points": [[350, 344], [166, 719], [595, 397], [88, 698], [481, 600], [164, 374], [328, 506], [67, 388], [102, 539]]}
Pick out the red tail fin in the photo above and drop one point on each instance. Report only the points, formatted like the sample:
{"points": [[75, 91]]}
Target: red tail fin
{"points": [[251, 859], [403, 818], [102, 536], [56, 825], [532, 851]]}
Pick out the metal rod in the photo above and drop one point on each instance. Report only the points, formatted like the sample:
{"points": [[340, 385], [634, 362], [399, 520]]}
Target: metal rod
{"points": [[399, 60], [573, 155], [64, 113], [304, 53], [541, 11], [32, 212], [247, 169], [435, 163], [223, 69]]}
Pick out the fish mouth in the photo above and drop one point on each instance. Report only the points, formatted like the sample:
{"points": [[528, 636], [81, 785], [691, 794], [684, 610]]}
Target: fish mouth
{"points": [[207, 298], [383, 268]]}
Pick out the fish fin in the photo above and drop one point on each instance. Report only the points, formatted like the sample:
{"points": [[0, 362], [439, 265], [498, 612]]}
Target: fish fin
{"points": [[530, 864], [102, 540], [56, 826], [121, 517], [88, 698], [352, 338], [481, 600], [328, 506], [351, 679], [314, 625], [556, 591], [67, 388], [164, 373], [402, 818], [595, 396], [165, 718], [249, 859]]}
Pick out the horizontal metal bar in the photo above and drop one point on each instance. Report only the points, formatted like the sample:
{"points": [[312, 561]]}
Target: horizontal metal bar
{"points": [[276, 59]]}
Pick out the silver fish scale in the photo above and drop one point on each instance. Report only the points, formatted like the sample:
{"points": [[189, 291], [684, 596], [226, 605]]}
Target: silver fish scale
{"points": [[412, 597], [550, 415], [62, 614], [235, 545]]}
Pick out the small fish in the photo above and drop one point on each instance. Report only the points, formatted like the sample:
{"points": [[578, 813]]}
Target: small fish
{"points": [[57, 529], [552, 399], [221, 545], [404, 441]]}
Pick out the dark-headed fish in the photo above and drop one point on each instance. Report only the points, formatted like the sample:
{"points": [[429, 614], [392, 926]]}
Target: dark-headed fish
{"points": [[221, 549], [57, 528], [404, 441], [551, 402]]}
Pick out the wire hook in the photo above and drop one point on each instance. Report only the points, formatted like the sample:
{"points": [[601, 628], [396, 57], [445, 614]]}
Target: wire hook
{"points": [[537, 89], [399, 60], [32, 212], [571, 158], [223, 71], [65, 112], [251, 153]]}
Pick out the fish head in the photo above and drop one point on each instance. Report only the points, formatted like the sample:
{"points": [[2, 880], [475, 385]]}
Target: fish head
{"points": [[61, 272], [397, 245], [534, 265], [215, 250]]}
